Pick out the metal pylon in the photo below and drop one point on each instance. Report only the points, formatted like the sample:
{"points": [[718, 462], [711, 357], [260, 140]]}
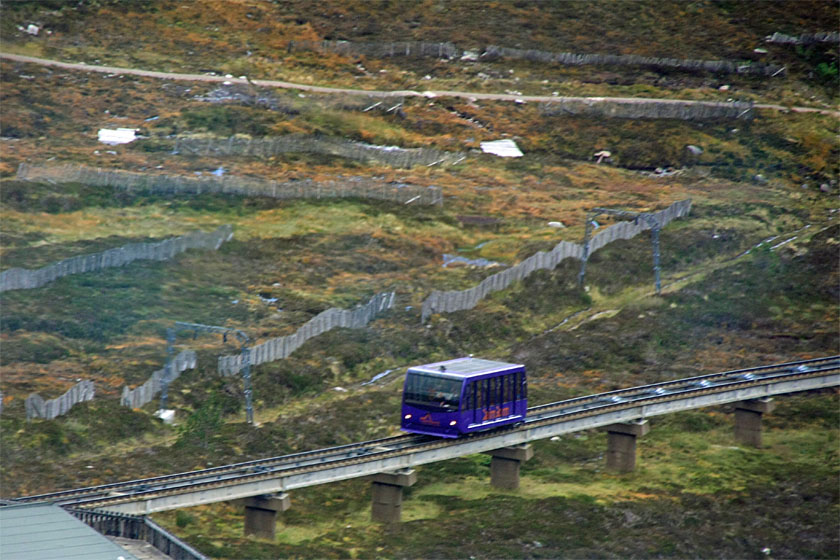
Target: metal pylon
{"points": [[635, 216]]}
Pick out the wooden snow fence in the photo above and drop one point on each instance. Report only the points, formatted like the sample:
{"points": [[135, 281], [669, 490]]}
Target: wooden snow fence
{"points": [[37, 407], [361, 187], [25, 279], [650, 109], [805, 38], [418, 49], [302, 143], [281, 347], [137, 397], [460, 300]]}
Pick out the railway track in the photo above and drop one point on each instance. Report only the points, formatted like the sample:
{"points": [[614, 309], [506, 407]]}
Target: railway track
{"points": [[368, 451]]}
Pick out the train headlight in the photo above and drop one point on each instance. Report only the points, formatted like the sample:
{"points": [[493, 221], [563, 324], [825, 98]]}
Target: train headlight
{"points": [[407, 416], [453, 422]]}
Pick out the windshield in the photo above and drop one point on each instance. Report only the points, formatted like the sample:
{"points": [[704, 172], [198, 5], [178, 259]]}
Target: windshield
{"points": [[429, 390]]}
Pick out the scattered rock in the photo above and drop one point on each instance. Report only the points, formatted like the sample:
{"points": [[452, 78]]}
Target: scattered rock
{"points": [[630, 518]]}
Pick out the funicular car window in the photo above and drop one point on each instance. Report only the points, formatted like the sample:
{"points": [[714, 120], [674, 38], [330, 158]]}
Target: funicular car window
{"points": [[431, 390], [493, 398], [508, 381]]}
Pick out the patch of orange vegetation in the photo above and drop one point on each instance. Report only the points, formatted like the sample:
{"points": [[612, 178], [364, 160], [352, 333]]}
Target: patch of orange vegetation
{"points": [[642, 496], [137, 342]]}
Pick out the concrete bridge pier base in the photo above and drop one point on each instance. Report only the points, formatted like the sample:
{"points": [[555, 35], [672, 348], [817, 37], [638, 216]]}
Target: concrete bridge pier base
{"points": [[261, 514], [387, 494], [504, 466], [621, 444], [748, 420]]}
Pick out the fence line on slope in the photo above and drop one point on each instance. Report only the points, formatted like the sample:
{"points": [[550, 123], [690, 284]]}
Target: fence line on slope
{"points": [[418, 49], [281, 347], [137, 397], [227, 184], [664, 109], [25, 279], [460, 300], [804, 39], [661, 63], [293, 143], [37, 407]]}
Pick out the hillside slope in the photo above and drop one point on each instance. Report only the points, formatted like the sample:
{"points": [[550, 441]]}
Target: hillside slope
{"points": [[749, 277]]}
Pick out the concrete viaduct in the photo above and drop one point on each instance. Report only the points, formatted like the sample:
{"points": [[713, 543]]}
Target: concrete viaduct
{"points": [[263, 488]]}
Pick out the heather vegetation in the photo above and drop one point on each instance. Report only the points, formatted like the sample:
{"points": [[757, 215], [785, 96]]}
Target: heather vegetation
{"points": [[749, 277]]}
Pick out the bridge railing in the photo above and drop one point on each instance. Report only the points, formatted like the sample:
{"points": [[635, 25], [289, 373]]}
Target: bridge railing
{"points": [[138, 528]]}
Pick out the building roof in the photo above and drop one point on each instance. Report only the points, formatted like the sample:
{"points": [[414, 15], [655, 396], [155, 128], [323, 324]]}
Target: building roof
{"points": [[47, 532], [466, 367]]}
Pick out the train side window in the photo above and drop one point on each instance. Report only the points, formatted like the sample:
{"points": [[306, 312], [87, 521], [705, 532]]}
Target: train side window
{"points": [[524, 387], [479, 393], [469, 398], [508, 380], [494, 391], [514, 378]]}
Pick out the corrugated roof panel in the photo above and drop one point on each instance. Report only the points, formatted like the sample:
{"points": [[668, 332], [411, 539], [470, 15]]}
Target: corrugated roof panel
{"points": [[47, 532]]}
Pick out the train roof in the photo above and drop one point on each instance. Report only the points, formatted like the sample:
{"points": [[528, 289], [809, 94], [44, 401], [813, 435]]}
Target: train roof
{"points": [[466, 367]]}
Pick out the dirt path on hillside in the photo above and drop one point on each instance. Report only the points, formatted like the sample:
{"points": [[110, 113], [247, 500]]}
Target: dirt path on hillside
{"points": [[380, 93]]}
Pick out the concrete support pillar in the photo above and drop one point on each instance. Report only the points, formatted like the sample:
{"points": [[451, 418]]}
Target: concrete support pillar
{"points": [[504, 467], [261, 514], [748, 420], [621, 445], [387, 493]]}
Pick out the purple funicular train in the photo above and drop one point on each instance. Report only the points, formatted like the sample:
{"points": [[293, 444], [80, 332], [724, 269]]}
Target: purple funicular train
{"points": [[464, 395]]}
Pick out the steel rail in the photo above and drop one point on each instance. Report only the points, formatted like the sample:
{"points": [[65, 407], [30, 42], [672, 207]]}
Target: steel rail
{"points": [[646, 398], [687, 381], [375, 450], [256, 464]]}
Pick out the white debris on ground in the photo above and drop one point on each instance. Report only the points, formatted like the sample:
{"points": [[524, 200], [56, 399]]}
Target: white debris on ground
{"points": [[457, 259], [663, 172], [501, 148], [117, 136], [377, 377], [167, 415]]}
